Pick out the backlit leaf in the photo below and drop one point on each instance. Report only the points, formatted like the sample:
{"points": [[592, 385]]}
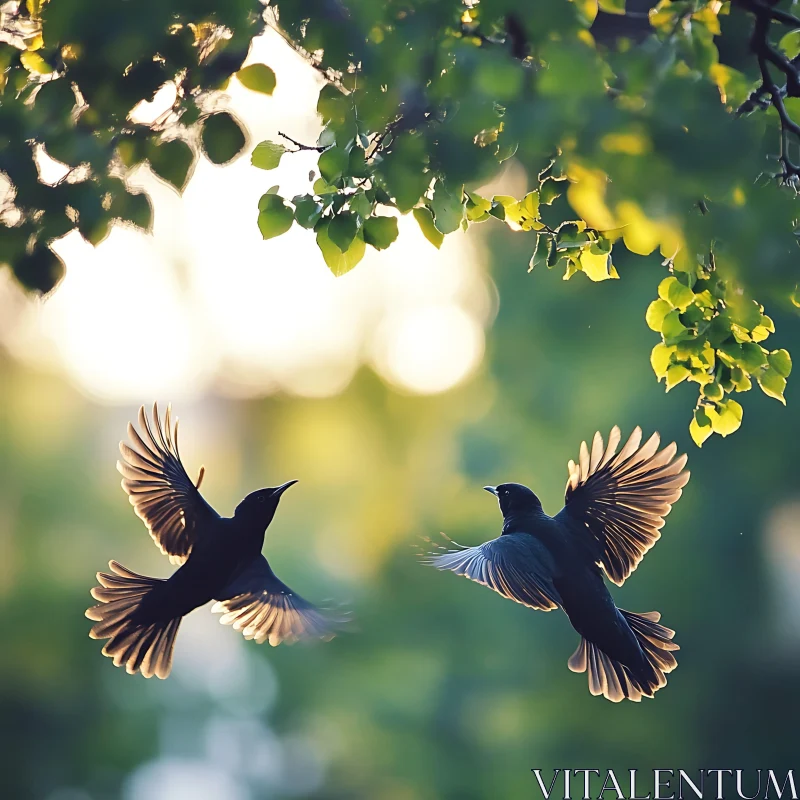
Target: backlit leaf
{"points": [[257, 78], [267, 155]]}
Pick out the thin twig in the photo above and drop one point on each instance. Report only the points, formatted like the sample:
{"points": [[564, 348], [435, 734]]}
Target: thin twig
{"points": [[300, 146]]}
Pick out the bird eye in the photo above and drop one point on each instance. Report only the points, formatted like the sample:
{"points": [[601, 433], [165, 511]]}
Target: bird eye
{"points": [[261, 498]]}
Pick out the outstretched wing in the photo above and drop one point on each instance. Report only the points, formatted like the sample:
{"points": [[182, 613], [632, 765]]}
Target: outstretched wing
{"points": [[161, 493], [622, 498], [266, 609], [516, 566]]}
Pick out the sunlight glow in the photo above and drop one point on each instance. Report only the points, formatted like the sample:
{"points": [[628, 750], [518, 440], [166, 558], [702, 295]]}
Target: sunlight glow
{"points": [[429, 349], [204, 303]]}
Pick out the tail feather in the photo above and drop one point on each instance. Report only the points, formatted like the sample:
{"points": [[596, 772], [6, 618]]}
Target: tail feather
{"points": [[616, 681], [140, 646]]}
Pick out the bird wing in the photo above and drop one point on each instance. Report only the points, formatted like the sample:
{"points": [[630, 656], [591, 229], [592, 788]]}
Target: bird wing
{"points": [[264, 608], [622, 498], [516, 566], [161, 493]]}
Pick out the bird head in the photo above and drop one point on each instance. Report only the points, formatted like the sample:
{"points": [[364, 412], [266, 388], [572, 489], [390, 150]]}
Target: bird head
{"points": [[259, 507], [515, 499]]}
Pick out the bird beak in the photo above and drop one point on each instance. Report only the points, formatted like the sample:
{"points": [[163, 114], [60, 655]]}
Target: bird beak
{"points": [[283, 487], [491, 490]]}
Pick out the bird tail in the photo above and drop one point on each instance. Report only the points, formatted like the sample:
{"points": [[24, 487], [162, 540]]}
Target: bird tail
{"points": [[617, 681], [134, 640]]}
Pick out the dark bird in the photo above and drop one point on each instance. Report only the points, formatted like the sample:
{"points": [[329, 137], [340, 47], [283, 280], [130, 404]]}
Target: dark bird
{"points": [[220, 560], [613, 513]]}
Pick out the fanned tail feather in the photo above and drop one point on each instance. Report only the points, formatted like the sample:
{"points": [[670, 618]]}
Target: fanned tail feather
{"points": [[616, 681], [144, 647]]}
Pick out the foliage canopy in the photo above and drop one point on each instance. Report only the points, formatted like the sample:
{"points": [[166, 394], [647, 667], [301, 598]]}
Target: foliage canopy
{"points": [[665, 130]]}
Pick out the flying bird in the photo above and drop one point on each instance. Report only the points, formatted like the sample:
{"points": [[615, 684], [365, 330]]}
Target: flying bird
{"points": [[220, 559], [613, 513]]}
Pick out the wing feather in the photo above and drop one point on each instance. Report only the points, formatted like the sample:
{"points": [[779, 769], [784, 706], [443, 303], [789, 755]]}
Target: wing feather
{"points": [[622, 498], [515, 566], [158, 487], [264, 608]]}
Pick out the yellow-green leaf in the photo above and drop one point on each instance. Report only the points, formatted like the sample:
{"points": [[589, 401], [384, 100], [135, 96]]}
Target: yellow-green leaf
{"points": [[274, 216], [596, 267], [33, 62], [424, 219], [781, 362], [772, 384], [656, 312], [660, 358], [676, 373], [713, 391], [338, 262], [672, 326], [675, 293], [726, 417], [257, 78], [700, 427], [267, 155]]}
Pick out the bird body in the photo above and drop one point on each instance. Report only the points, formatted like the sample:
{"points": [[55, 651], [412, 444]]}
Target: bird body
{"points": [[614, 510], [220, 559]]}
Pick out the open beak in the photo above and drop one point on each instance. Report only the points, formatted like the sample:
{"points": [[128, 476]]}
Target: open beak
{"points": [[279, 490], [491, 490]]}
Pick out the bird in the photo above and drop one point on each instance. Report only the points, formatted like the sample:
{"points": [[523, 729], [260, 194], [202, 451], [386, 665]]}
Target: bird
{"points": [[615, 506], [220, 559]]}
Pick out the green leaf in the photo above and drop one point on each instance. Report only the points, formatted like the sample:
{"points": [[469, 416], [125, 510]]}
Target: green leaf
{"points": [[672, 326], [274, 217], [307, 211], [550, 189], [536, 255], [781, 362], [267, 155], [726, 417], [753, 356], [612, 6], [676, 373], [321, 186], [790, 44], [332, 163], [448, 208], [357, 164], [424, 219], [477, 207], [338, 262], [332, 104], [529, 210], [741, 380], [257, 78], [744, 312], [660, 359], [222, 138], [655, 314], [361, 204], [773, 384], [171, 161], [675, 293], [342, 230], [39, 271], [700, 427], [380, 232], [713, 391], [135, 208]]}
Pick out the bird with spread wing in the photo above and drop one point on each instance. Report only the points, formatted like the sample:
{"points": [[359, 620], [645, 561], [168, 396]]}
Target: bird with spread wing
{"points": [[615, 506], [220, 559]]}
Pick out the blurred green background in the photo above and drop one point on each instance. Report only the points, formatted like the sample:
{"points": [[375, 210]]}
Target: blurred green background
{"points": [[442, 689]]}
